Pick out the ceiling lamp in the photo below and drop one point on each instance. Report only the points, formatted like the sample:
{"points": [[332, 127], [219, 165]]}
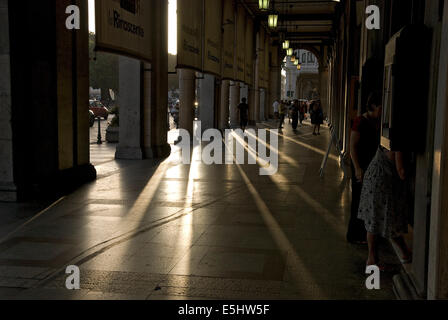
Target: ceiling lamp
{"points": [[273, 20], [289, 52], [293, 59], [263, 5], [286, 44], [299, 66], [296, 61]]}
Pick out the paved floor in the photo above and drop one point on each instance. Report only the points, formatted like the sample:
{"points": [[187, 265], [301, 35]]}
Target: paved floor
{"points": [[149, 230]]}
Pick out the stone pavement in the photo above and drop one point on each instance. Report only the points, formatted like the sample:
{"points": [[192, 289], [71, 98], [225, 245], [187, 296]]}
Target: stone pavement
{"points": [[162, 230]]}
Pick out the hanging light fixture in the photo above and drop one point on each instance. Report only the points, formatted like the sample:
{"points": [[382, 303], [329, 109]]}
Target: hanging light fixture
{"points": [[299, 66], [263, 5], [286, 44], [296, 61], [289, 52], [293, 59], [273, 20]]}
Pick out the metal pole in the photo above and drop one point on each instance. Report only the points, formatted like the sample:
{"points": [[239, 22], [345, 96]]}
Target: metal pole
{"points": [[100, 139]]}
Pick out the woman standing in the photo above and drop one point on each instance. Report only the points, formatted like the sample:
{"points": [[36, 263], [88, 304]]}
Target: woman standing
{"points": [[295, 115], [317, 117], [364, 142], [383, 205]]}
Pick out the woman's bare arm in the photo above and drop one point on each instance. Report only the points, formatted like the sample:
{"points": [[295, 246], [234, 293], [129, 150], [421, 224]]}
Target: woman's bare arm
{"points": [[399, 163], [355, 138]]}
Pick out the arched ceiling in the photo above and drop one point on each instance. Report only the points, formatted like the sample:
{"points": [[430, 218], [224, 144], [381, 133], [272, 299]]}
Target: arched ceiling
{"points": [[302, 22]]}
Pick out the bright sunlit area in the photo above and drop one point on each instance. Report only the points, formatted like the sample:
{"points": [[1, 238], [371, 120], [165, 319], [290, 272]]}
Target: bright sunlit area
{"points": [[172, 27], [92, 16]]}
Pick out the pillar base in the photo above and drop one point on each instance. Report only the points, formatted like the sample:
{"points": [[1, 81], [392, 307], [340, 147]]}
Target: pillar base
{"points": [[60, 184], [159, 152], [127, 153], [403, 287], [8, 192], [73, 178]]}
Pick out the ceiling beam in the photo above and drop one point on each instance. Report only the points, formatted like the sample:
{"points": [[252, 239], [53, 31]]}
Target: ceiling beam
{"points": [[300, 17], [293, 35]]}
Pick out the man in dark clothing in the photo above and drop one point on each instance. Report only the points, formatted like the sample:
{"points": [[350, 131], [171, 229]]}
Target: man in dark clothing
{"points": [[244, 114], [295, 114], [302, 111]]}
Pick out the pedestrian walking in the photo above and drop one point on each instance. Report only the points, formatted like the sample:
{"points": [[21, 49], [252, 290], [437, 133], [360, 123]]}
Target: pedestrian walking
{"points": [[243, 107], [317, 117], [295, 115], [276, 107], [282, 114]]}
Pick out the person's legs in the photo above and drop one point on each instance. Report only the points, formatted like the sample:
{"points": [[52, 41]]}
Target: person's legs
{"points": [[372, 258], [282, 120], [318, 129], [356, 231]]}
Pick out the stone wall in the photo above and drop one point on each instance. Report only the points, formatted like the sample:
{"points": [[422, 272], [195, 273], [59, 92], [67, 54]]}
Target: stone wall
{"points": [[7, 187]]}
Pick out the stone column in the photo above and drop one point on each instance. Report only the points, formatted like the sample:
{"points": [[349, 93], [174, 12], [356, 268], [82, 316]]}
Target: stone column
{"points": [[267, 99], [251, 103], [257, 106], [438, 237], [83, 65], [323, 80], [224, 107], [291, 80], [187, 88], [147, 110], [129, 146], [159, 83], [262, 105], [234, 102], [275, 88], [8, 190], [244, 91], [207, 101]]}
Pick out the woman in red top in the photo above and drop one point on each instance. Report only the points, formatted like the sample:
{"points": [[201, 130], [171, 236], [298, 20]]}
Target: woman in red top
{"points": [[364, 143]]}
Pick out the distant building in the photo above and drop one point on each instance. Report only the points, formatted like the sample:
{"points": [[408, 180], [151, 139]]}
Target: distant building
{"points": [[303, 83]]}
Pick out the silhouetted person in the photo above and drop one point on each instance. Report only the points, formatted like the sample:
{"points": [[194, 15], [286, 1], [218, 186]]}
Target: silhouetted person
{"points": [[295, 115], [317, 117], [276, 106], [244, 114], [364, 142], [383, 205]]}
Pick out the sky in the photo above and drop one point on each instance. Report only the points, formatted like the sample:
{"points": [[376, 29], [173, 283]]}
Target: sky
{"points": [[92, 15], [172, 23]]}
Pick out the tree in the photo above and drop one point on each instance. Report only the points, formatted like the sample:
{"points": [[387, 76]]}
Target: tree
{"points": [[103, 70]]}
